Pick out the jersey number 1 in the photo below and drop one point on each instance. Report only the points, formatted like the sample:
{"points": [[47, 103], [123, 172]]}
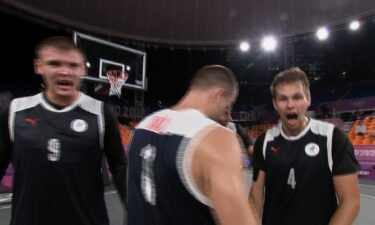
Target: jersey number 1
{"points": [[292, 179], [148, 155]]}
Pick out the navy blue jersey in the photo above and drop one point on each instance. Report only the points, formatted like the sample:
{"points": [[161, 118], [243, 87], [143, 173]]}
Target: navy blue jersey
{"points": [[161, 190], [56, 154], [299, 186]]}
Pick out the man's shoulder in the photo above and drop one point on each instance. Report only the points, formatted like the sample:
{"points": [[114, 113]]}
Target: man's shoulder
{"points": [[321, 127], [214, 147], [158, 113], [90, 104], [87, 98], [216, 138], [27, 98], [320, 122], [271, 133], [188, 123], [22, 103]]}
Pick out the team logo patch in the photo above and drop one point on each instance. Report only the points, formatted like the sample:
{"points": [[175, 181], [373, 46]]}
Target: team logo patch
{"points": [[79, 125], [312, 149]]}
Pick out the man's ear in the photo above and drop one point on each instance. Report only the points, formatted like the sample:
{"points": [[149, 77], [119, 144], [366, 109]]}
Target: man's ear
{"points": [[217, 93], [37, 66], [274, 103], [85, 68], [309, 100]]}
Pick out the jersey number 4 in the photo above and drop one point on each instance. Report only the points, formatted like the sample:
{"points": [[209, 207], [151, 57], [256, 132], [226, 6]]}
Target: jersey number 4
{"points": [[292, 179]]}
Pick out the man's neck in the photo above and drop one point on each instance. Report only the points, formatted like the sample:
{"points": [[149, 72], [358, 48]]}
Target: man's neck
{"points": [[190, 101], [294, 133], [60, 102]]}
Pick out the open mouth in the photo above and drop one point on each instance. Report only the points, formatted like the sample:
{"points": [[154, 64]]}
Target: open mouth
{"points": [[65, 83], [292, 116]]}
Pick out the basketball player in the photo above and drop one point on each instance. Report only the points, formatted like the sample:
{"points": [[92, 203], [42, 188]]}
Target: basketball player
{"points": [[184, 168], [56, 140], [305, 171]]}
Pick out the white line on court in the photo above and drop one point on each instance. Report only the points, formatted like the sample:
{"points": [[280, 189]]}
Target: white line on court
{"points": [[367, 185], [367, 196], [106, 193], [6, 207]]}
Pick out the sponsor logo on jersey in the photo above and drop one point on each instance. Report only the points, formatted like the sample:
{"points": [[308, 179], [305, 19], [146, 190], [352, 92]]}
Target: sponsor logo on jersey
{"points": [[312, 149], [79, 125], [158, 123], [275, 149], [32, 121]]}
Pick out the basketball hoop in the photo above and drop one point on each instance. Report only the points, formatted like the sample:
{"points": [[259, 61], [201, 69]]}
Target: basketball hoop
{"points": [[116, 79]]}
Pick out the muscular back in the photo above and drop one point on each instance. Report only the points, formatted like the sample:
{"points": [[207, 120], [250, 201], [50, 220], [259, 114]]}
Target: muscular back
{"points": [[160, 185]]}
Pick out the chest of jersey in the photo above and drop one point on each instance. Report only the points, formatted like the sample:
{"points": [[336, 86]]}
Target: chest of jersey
{"points": [[45, 136], [308, 154]]}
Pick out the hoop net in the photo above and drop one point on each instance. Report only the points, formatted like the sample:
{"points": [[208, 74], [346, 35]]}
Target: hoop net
{"points": [[116, 79]]}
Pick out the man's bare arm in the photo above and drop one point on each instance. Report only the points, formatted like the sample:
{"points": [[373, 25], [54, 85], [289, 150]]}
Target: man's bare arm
{"points": [[347, 190], [256, 195], [222, 166]]}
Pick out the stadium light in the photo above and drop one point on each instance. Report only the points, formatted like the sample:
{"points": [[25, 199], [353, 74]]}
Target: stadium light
{"points": [[322, 33], [354, 25], [269, 43], [244, 46]]}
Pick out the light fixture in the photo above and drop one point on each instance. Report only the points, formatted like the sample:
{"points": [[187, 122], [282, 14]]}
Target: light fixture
{"points": [[354, 25], [269, 43], [322, 33], [244, 46]]}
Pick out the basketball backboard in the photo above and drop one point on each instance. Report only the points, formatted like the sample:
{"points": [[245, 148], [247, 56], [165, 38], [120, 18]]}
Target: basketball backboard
{"points": [[103, 56]]}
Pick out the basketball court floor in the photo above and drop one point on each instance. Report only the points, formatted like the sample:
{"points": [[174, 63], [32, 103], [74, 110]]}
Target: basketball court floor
{"points": [[115, 211]]}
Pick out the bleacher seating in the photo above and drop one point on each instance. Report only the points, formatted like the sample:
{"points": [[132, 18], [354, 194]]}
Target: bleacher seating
{"points": [[366, 139], [356, 139], [258, 129]]}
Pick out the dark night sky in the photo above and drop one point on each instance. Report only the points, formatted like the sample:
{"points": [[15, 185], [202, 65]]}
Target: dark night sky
{"points": [[169, 70]]}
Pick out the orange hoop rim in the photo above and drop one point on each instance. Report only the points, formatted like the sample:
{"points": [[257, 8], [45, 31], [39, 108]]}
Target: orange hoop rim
{"points": [[113, 78]]}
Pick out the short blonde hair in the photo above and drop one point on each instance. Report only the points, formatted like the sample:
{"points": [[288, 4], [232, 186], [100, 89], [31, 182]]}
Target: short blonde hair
{"points": [[215, 76], [288, 76]]}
